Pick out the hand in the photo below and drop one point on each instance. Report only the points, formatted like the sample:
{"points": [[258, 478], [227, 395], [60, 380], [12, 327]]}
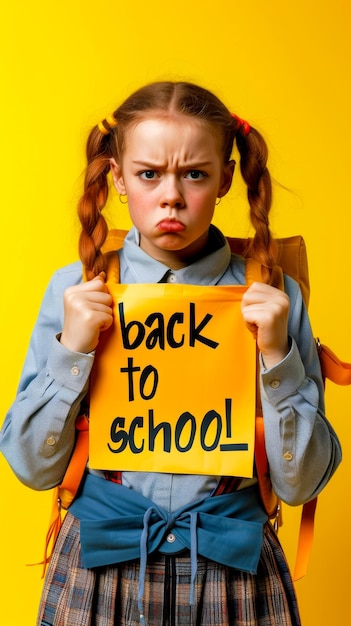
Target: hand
{"points": [[265, 311], [87, 313]]}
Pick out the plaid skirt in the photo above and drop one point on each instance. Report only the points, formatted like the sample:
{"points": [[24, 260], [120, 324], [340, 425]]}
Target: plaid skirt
{"points": [[75, 596]]}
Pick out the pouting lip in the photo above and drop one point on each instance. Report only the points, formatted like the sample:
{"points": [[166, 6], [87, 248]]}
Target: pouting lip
{"points": [[170, 225]]}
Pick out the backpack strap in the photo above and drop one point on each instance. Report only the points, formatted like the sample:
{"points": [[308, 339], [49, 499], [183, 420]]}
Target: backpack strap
{"points": [[270, 500], [305, 541], [333, 368], [68, 488], [112, 266], [65, 493]]}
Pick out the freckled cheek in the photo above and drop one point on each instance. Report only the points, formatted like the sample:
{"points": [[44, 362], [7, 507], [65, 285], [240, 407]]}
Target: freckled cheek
{"points": [[139, 202], [200, 204], [141, 210]]}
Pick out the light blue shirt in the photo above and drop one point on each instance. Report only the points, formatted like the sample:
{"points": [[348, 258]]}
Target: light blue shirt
{"points": [[38, 433]]}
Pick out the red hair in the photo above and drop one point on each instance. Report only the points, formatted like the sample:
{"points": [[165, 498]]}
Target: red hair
{"points": [[177, 98]]}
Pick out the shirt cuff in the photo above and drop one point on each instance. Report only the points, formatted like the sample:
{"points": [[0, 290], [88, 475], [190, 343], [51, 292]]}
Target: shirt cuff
{"points": [[67, 368], [283, 380]]}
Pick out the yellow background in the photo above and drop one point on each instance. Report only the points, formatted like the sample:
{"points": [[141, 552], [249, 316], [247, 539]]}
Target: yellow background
{"points": [[285, 66]]}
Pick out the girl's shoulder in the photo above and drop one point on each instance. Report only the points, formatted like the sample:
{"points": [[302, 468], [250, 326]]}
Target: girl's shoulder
{"points": [[62, 278], [292, 288], [235, 271], [67, 276], [236, 274]]}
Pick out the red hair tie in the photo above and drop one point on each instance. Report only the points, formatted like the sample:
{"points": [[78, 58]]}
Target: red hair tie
{"points": [[242, 124]]}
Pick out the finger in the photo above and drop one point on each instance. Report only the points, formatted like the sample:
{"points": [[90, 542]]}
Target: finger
{"points": [[263, 290], [94, 285], [101, 276], [271, 297]]}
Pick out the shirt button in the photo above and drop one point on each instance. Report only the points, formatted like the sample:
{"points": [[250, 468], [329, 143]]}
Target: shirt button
{"points": [[172, 278], [51, 441], [75, 371], [275, 383], [288, 456], [171, 538]]}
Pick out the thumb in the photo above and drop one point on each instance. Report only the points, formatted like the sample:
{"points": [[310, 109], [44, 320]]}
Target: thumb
{"points": [[100, 276]]}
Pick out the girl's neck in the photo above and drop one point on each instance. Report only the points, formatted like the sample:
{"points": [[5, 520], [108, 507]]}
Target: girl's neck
{"points": [[177, 259]]}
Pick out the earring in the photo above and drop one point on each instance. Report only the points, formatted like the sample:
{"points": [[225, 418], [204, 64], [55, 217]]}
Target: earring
{"points": [[218, 202], [123, 201]]}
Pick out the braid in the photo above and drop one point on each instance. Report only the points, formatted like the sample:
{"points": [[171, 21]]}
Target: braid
{"points": [[253, 158], [94, 227]]}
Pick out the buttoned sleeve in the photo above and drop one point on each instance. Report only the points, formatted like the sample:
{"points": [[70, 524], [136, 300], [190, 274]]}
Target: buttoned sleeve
{"points": [[302, 447], [38, 433]]}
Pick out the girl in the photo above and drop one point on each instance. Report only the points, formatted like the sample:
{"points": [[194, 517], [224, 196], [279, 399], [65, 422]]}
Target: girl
{"points": [[168, 148]]}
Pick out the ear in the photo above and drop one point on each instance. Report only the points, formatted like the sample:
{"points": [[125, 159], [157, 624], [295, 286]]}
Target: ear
{"points": [[227, 178], [117, 177]]}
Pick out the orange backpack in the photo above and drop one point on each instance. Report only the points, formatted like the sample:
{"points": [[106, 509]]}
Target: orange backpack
{"points": [[291, 260]]}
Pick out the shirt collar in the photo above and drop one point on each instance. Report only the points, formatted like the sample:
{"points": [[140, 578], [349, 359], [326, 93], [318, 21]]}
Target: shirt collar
{"points": [[206, 271]]}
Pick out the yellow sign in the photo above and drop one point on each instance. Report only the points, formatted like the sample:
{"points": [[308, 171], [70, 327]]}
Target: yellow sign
{"points": [[173, 385]]}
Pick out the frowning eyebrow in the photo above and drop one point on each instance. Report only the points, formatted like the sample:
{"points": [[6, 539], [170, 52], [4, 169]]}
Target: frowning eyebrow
{"points": [[151, 165]]}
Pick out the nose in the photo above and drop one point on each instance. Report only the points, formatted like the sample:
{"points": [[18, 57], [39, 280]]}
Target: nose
{"points": [[172, 195]]}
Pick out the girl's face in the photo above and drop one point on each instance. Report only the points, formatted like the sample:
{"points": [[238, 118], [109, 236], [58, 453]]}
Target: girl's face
{"points": [[172, 172]]}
